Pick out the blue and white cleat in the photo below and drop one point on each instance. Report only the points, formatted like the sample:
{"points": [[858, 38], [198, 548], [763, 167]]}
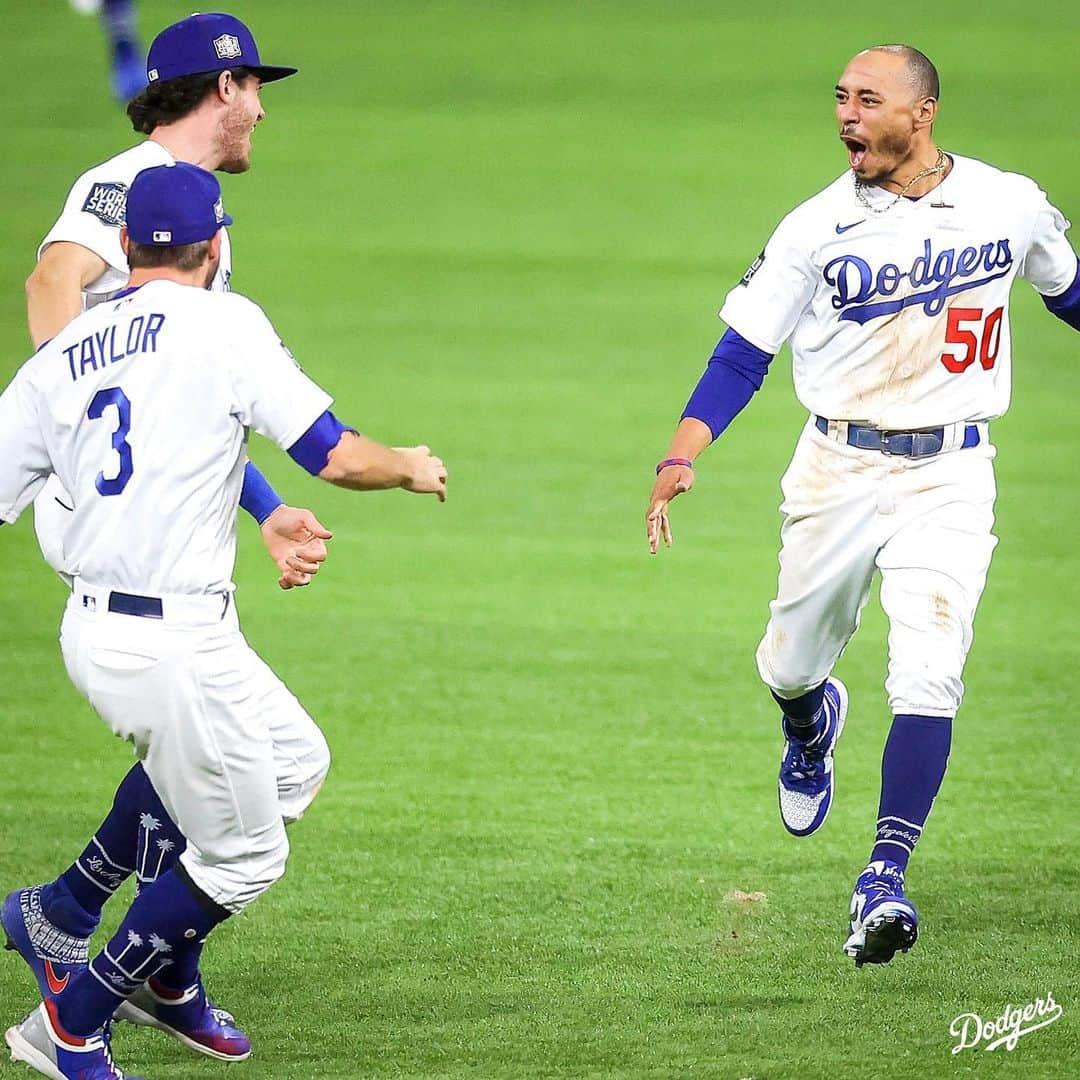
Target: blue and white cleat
{"points": [[883, 921], [53, 955], [806, 771], [41, 1043], [189, 1016]]}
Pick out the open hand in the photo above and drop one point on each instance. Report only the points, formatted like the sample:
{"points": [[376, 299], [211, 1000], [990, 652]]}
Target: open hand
{"points": [[672, 481]]}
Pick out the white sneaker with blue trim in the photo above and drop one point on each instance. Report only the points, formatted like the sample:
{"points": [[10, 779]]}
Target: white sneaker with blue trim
{"points": [[806, 770]]}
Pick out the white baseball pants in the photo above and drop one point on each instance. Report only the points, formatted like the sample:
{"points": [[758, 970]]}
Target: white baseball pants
{"points": [[201, 709], [300, 751], [925, 524]]}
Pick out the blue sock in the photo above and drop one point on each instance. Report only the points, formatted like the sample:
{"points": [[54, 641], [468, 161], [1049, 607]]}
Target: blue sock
{"points": [[136, 836], [118, 17], [804, 718], [167, 915], [183, 973], [912, 768]]}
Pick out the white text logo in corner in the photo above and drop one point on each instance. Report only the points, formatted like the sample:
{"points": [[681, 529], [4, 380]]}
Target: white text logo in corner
{"points": [[1005, 1030]]}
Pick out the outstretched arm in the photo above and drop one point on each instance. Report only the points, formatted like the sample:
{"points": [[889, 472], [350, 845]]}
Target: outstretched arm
{"points": [[341, 456], [362, 464], [674, 476], [735, 372]]}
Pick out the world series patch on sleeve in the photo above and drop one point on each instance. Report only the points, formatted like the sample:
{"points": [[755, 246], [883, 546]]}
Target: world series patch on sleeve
{"points": [[107, 202]]}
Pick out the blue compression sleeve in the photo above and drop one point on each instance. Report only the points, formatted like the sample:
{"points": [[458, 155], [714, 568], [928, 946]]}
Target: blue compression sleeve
{"points": [[1066, 305], [257, 497], [312, 450], [735, 371]]}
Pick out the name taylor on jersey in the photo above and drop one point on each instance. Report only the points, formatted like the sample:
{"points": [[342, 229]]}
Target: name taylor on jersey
{"points": [[113, 344]]}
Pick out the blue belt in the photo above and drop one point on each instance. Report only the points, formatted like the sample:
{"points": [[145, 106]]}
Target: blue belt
{"points": [[145, 607], [912, 444]]}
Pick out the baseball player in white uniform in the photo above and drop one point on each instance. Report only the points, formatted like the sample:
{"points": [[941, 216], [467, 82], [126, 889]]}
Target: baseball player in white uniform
{"points": [[892, 286], [142, 406], [201, 105]]}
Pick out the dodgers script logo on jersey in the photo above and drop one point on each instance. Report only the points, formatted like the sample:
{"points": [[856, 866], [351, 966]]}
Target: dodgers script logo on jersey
{"points": [[108, 202], [948, 272]]}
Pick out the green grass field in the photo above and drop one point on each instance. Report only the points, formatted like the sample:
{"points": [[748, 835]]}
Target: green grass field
{"points": [[505, 229]]}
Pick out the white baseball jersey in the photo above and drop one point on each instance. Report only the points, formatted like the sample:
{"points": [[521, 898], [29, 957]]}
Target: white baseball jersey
{"points": [[141, 406], [93, 213], [95, 209], [901, 319]]}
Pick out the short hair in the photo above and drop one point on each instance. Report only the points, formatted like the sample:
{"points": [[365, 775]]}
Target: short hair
{"points": [[921, 72], [183, 256], [166, 102]]}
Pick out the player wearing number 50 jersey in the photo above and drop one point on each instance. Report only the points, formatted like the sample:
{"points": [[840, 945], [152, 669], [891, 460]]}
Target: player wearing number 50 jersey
{"points": [[892, 287], [143, 407]]}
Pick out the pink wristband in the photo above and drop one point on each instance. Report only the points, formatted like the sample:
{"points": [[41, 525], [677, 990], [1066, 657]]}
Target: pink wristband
{"points": [[685, 462]]}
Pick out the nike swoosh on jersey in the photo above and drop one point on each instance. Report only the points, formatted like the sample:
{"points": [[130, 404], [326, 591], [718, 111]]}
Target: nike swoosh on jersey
{"points": [[840, 229], [57, 986]]}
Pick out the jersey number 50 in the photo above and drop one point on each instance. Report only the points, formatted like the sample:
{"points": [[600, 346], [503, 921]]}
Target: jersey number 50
{"points": [[984, 345], [98, 403]]}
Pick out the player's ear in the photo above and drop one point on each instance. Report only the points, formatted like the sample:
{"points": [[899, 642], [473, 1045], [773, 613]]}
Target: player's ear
{"points": [[215, 247], [125, 240], [226, 86], [926, 112]]}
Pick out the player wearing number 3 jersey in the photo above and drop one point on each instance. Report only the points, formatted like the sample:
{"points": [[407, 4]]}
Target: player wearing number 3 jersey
{"points": [[892, 287], [204, 99], [142, 406]]}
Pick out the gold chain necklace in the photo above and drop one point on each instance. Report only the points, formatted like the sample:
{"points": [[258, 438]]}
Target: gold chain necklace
{"points": [[939, 166]]}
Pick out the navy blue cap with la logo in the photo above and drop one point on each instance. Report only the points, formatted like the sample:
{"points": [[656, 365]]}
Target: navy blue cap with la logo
{"points": [[207, 42], [170, 205]]}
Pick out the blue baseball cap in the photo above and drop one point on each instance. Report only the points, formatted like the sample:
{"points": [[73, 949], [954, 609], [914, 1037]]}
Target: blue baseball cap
{"points": [[170, 205], [206, 42]]}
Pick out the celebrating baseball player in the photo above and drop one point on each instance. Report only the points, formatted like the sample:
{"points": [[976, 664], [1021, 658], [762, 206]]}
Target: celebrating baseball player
{"points": [[142, 406], [892, 285], [201, 106]]}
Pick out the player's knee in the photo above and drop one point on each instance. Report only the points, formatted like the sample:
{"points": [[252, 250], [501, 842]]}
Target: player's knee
{"points": [[242, 877], [925, 691], [299, 793], [784, 669], [274, 863]]}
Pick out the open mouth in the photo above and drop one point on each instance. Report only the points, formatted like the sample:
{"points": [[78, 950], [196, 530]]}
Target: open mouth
{"points": [[856, 150]]}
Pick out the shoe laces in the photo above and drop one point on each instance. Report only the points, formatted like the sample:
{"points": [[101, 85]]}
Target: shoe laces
{"points": [[889, 882], [804, 767], [106, 1052]]}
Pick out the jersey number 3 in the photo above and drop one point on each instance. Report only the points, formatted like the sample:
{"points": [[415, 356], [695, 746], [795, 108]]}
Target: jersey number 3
{"points": [[100, 401], [984, 344]]}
